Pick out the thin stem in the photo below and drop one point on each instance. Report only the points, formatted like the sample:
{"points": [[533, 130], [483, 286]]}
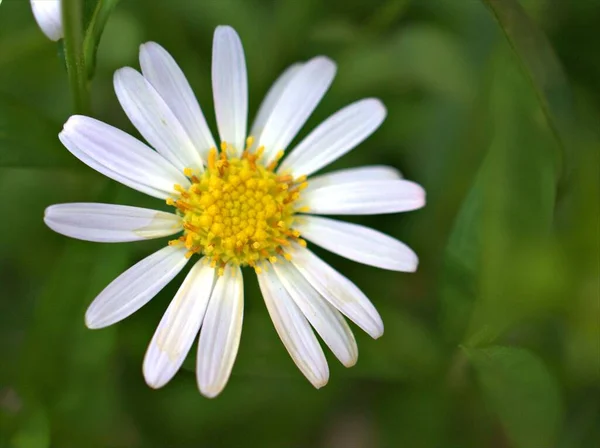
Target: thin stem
{"points": [[94, 33], [73, 44]]}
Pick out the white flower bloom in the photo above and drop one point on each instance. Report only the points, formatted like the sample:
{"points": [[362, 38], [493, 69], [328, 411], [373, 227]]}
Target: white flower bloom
{"points": [[48, 15], [237, 206]]}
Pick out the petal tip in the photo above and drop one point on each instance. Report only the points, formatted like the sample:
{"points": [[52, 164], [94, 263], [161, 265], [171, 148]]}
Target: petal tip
{"points": [[122, 72], [377, 333], [350, 362], [152, 377], [380, 106], [149, 44], [318, 383], [72, 122], [210, 391], [222, 31], [92, 323], [47, 212], [411, 262], [326, 62], [150, 381], [224, 28], [148, 51]]}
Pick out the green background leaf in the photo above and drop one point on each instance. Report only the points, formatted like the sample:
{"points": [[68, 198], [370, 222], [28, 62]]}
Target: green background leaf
{"points": [[541, 66], [521, 390]]}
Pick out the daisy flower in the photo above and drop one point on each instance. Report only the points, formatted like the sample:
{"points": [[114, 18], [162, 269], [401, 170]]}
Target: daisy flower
{"points": [[47, 14], [236, 204]]}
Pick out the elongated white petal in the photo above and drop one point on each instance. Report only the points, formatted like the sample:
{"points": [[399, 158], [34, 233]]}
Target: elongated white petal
{"points": [[338, 290], [153, 118], [337, 135], [294, 330], [230, 87], [221, 331], [48, 15], [135, 287], [179, 326], [161, 70], [365, 198], [328, 321], [350, 175], [297, 101], [273, 95], [121, 157], [108, 223], [358, 243]]}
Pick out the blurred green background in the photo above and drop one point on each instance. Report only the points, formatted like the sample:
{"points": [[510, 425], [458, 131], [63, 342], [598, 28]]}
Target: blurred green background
{"points": [[494, 108]]}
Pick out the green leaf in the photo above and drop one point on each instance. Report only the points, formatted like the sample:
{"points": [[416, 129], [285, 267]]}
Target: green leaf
{"points": [[94, 31], [518, 387], [541, 65], [29, 140], [502, 260]]}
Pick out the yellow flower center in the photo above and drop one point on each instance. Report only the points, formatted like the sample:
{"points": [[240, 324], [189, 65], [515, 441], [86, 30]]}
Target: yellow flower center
{"points": [[238, 211]]}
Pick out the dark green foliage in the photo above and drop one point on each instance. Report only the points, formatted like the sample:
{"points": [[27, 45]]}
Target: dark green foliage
{"points": [[493, 106]]}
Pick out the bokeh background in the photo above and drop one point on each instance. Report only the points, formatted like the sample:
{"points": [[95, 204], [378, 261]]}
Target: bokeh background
{"points": [[494, 108]]}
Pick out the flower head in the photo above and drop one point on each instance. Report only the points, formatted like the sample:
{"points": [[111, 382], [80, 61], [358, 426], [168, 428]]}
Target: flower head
{"points": [[238, 211], [236, 205], [47, 14]]}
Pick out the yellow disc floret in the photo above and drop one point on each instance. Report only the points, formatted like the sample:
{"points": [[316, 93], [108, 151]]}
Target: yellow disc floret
{"points": [[238, 211]]}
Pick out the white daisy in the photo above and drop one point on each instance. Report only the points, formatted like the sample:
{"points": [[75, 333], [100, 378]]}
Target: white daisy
{"points": [[47, 14], [237, 206]]}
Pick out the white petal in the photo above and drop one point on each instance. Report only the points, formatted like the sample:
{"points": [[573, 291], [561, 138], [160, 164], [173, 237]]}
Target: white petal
{"points": [[108, 223], [153, 118], [179, 326], [297, 101], [230, 87], [48, 15], [294, 330], [365, 198], [338, 290], [121, 157], [358, 243], [221, 331], [328, 321], [337, 135], [135, 287], [273, 95], [350, 175], [161, 70]]}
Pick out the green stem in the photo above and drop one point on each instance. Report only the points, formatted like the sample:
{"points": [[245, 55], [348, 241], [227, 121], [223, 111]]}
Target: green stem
{"points": [[73, 44], [94, 32]]}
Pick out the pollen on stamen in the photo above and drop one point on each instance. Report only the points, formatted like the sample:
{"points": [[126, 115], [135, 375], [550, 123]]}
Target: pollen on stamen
{"points": [[238, 211], [275, 161]]}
